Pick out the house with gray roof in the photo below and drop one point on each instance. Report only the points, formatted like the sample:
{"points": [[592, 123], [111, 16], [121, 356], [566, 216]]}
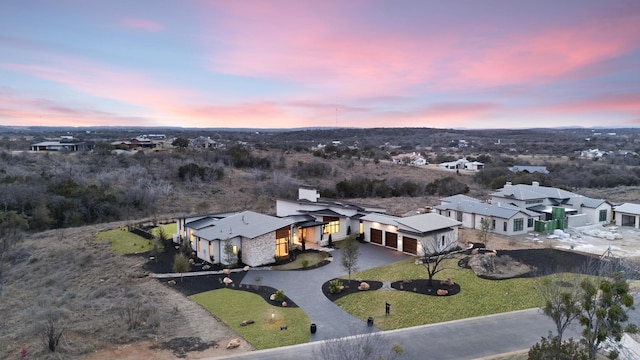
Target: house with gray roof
{"points": [[255, 237], [505, 219], [324, 217], [580, 210], [627, 214], [415, 234]]}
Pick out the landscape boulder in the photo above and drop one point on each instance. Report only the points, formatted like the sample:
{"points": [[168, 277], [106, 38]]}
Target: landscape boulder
{"points": [[447, 282], [442, 292], [235, 343], [226, 271], [206, 267], [171, 282], [272, 297], [363, 286], [227, 280], [284, 304], [246, 268], [247, 322]]}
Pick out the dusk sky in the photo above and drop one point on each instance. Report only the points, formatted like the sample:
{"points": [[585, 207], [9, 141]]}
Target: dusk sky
{"points": [[321, 63]]}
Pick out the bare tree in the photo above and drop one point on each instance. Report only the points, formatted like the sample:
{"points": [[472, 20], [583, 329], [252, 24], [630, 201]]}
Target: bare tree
{"points": [[360, 347], [486, 225], [561, 300], [350, 253], [435, 250], [230, 257]]}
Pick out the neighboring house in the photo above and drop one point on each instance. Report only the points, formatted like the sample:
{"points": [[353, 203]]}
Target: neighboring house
{"points": [[317, 218], [580, 210], [627, 214], [205, 143], [65, 144], [139, 143], [462, 164], [506, 219], [257, 238], [529, 169], [409, 159], [411, 234]]}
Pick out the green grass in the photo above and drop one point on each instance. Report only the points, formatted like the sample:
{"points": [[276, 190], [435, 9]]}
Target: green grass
{"points": [[124, 242], [477, 296], [234, 307], [169, 230], [313, 258]]}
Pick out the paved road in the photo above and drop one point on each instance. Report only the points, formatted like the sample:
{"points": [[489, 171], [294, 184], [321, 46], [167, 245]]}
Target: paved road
{"points": [[304, 287], [461, 339]]}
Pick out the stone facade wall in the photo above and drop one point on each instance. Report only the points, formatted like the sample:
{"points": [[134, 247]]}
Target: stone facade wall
{"points": [[260, 250]]}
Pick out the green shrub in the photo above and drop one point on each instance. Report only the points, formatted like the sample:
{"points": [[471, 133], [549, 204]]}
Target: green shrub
{"points": [[279, 295], [335, 286], [305, 263]]}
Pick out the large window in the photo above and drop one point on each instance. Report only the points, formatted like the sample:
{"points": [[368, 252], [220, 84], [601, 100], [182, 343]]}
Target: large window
{"points": [[518, 224], [603, 215], [504, 226], [332, 225], [530, 222], [282, 242], [282, 247]]}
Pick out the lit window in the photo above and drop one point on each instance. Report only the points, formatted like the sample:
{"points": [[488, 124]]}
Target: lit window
{"points": [[332, 225]]}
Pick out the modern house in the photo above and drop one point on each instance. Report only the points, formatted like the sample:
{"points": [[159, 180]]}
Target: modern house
{"points": [[65, 144], [414, 234], [580, 210], [505, 219], [256, 238], [318, 218], [627, 214], [409, 159], [462, 164]]}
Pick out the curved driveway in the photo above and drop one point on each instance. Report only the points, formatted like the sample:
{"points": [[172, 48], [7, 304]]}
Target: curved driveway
{"points": [[304, 287]]}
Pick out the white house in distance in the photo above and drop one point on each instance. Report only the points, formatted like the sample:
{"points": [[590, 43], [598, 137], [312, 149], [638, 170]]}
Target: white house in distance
{"points": [[462, 164], [409, 159], [316, 218], [628, 214], [259, 237], [505, 219], [580, 210], [411, 234]]}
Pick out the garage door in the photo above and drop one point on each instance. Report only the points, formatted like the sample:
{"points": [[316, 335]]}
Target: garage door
{"points": [[376, 236], [409, 245], [391, 240]]}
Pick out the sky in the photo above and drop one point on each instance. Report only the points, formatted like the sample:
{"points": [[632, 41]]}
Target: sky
{"points": [[309, 63]]}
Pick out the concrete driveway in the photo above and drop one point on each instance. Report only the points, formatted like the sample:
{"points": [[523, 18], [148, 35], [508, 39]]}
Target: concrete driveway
{"points": [[304, 287]]}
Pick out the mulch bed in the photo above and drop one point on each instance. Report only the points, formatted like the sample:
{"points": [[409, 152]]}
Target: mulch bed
{"points": [[350, 287], [421, 286], [191, 285]]}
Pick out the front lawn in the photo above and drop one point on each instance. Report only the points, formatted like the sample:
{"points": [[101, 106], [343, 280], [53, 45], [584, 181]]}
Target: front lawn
{"points": [[477, 296], [124, 242], [234, 306], [169, 230]]}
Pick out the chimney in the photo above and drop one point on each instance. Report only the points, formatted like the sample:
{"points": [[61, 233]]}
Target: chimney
{"points": [[508, 189], [535, 183]]}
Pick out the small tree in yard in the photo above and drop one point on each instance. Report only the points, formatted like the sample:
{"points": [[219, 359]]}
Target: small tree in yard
{"points": [[485, 229], [180, 264], [436, 250], [230, 257], [553, 348], [350, 253], [561, 301], [603, 313]]}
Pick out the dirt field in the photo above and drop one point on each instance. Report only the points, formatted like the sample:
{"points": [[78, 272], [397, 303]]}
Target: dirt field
{"points": [[84, 289]]}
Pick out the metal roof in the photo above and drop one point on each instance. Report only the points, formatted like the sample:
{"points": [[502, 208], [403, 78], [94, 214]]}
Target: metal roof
{"points": [[503, 211], [529, 169], [247, 224], [425, 223], [628, 208], [381, 218], [530, 192]]}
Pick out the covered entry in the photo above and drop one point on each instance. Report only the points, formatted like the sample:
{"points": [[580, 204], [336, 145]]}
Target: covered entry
{"points": [[409, 245], [376, 236], [391, 240]]}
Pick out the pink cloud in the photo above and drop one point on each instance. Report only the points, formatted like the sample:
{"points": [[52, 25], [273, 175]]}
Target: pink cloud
{"points": [[141, 24], [323, 46]]}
